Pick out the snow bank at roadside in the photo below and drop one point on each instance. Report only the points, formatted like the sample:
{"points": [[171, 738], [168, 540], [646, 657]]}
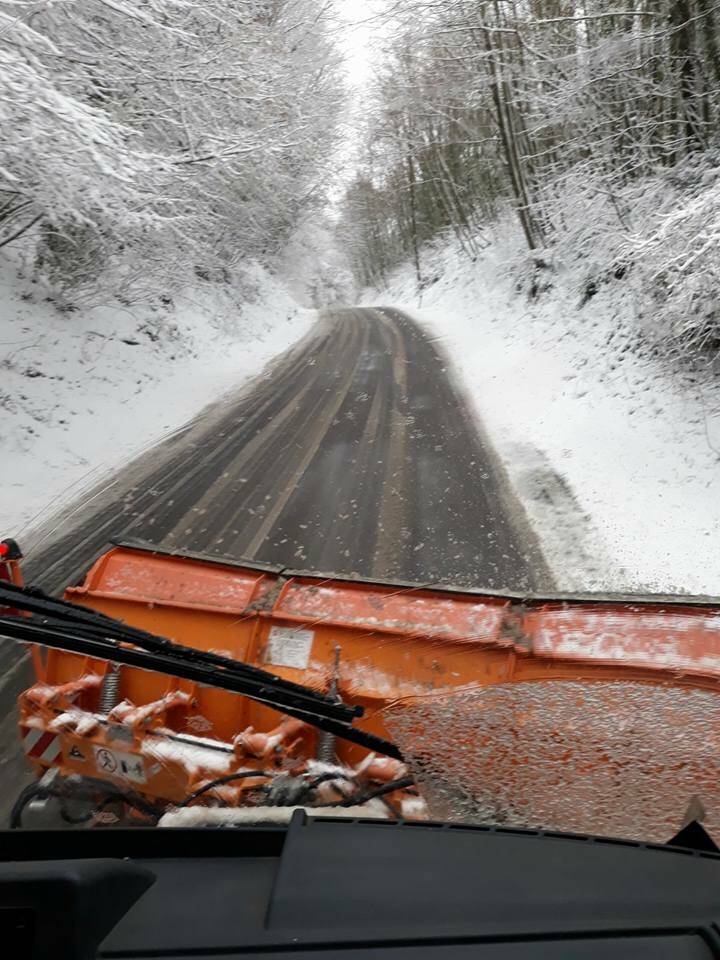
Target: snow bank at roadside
{"points": [[615, 457], [82, 392]]}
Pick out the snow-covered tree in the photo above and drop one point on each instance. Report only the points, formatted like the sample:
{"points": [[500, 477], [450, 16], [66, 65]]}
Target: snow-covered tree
{"points": [[143, 139]]}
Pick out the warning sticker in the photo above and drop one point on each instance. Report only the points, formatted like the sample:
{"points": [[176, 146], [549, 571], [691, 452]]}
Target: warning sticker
{"points": [[127, 766], [289, 647], [41, 744]]}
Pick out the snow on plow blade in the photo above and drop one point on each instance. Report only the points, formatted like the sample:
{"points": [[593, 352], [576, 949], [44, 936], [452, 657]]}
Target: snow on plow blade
{"points": [[589, 715]]}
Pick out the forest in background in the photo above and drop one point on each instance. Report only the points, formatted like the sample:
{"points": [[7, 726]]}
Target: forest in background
{"points": [[592, 123], [150, 143], [147, 144]]}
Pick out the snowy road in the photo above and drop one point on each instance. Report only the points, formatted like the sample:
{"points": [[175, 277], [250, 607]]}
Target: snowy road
{"points": [[353, 453]]}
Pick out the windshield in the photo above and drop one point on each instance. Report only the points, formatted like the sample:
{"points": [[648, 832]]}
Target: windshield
{"points": [[384, 336]]}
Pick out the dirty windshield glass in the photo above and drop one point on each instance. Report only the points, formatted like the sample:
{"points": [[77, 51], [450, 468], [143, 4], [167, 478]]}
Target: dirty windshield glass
{"points": [[360, 413]]}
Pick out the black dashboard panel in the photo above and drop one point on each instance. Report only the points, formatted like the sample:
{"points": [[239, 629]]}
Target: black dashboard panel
{"points": [[369, 889]]}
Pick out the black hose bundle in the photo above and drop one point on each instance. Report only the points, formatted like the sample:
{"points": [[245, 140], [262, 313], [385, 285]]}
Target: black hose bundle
{"points": [[82, 788]]}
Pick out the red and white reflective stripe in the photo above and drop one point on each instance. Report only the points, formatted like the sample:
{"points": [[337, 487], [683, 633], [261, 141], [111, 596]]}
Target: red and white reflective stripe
{"points": [[41, 745]]}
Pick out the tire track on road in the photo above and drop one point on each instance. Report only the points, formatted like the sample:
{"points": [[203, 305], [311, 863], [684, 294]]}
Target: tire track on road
{"points": [[391, 542], [282, 459], [257, 458], [326, 418], [325, 520]]}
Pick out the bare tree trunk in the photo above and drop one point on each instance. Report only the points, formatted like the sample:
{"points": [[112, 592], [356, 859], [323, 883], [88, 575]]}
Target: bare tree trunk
{"points": [[410, 168], [681, 49]]}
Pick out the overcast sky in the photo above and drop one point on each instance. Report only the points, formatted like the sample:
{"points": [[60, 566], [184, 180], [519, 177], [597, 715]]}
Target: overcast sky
{"points": [[360, 34], [359, 39]]}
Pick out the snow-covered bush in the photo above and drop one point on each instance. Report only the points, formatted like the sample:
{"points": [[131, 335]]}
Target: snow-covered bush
{"points": [[674, 243], [660, 237], [316, 265]]}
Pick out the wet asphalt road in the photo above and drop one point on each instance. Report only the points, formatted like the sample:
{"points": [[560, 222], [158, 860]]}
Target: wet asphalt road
{"points": [[353, 453]]}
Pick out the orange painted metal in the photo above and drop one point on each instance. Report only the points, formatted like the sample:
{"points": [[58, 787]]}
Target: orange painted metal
{"points": [[396, 645]]}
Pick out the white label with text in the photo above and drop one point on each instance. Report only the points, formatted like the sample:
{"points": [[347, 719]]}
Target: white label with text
{"points": [[289, 647]]}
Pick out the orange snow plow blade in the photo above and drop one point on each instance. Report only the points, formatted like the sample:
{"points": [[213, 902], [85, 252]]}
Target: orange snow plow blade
{"points": [[593, 715]]}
